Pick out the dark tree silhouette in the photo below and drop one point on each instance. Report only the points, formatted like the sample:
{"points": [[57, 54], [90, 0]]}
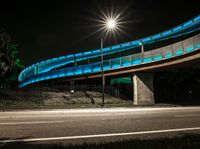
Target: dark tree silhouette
{"points": [[9, 61]]}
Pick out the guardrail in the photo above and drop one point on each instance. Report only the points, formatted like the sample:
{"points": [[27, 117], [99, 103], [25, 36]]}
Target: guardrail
{"points": [[47, 65], [167, 52]]}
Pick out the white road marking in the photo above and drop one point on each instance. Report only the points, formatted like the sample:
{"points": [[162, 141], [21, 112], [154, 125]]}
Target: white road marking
{"points": [[100, 135], [27, 123]]}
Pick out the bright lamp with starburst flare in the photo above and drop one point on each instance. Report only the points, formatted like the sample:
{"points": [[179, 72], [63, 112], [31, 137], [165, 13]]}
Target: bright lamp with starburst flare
{"points": [[111, 24]]}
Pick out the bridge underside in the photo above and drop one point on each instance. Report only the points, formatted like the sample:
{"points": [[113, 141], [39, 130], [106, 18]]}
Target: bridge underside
{"points": [[142, 75], [171, 49]]}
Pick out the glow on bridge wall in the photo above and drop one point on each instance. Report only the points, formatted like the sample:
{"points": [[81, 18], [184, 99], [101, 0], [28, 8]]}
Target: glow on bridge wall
{"points": [[167, 52], [44, 70]]}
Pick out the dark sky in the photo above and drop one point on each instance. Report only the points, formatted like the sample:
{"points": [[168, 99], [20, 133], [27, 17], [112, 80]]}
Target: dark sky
{"points": [[44, 29]]}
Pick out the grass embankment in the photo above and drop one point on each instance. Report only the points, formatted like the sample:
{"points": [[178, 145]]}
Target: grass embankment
{"points": [[56, 99], [182, 142], [22, 106]]}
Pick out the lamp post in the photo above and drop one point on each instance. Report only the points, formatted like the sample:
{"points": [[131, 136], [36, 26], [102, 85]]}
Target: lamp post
{"points": [[102, 72], [142, 49], [110, 25]]}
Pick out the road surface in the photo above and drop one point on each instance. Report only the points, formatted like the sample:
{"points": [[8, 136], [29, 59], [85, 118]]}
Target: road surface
{"points": [[97, 125]]}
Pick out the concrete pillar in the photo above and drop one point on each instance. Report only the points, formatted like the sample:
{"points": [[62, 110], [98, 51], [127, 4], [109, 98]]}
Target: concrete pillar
{"points": [[143, 89]]}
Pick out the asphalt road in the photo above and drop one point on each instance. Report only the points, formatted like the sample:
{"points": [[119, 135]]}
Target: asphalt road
{"points": [[96, 125]]}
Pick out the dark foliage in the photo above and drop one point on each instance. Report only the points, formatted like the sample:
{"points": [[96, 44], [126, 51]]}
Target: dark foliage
{"points": [[10, 64]]}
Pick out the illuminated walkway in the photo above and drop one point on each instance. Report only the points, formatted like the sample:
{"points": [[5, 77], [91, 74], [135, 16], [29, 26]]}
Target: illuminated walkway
{"points": [[64, 66]]}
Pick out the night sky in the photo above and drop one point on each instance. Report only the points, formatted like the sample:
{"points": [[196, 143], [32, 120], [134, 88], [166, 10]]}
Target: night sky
{"points": [[44, 29]]}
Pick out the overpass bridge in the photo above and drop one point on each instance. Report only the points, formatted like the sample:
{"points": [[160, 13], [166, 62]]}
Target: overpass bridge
{"points": [[182, 47]]}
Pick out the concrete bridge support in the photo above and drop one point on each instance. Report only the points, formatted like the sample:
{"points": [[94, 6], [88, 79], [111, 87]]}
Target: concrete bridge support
{"points": [[143, 89]]}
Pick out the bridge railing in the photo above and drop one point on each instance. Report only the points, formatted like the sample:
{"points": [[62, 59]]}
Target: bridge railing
{"points": [[50, 64], [162, 53]]}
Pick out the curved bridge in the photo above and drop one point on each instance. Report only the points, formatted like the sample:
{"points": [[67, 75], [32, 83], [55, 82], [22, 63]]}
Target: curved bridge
{"points": [[79, 66], [52, 64]]}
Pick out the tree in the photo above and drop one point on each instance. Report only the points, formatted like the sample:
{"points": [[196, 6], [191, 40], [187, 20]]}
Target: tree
{"points": [[10, 64]]}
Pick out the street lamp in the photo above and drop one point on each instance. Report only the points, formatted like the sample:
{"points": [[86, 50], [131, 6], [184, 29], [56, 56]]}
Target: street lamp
{"points": [[110, 25], [142, 49]]}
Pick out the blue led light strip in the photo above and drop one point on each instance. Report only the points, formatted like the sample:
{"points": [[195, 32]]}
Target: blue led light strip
{"points": [[189, 45], [45, 66]]}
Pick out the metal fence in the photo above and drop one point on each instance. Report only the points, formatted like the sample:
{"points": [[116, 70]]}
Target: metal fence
{"points": [[60, 96], [114, 91]]}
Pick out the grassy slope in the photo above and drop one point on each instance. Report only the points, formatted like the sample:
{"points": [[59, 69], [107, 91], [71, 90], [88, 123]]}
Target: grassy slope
{"points": [[53, 99]]}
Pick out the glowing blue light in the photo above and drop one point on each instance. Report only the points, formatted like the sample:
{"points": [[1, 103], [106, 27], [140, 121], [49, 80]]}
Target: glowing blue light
{"points": [[179, 52], [54, 63], [96, 51], [79, 59], [147, 60], [87, 70], [116, 66], [61, 57], [125, 44], [135, 42], [95, 69], [70, 73], [197, 18], [156, 36], [42, 79], [177, 28], [168, 55], [115, 47], [106, 67], [166, 33], [54, 76], [146, 39], [54, 59], [70, 56], [157, 57], [138, 61], [79, 70], [106, 49], [189, 49], [78, 54], [126, 64], [61, 75], [87, 53], [48, 77], [187, 23]]}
